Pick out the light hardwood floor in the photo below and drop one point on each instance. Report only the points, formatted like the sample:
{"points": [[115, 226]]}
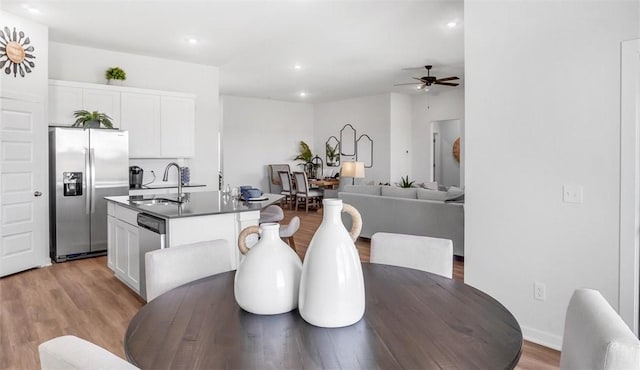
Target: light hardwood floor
{"points": [[83, 298]]}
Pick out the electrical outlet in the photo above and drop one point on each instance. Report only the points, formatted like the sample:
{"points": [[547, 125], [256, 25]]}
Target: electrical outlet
{"points": [[539, 291]]}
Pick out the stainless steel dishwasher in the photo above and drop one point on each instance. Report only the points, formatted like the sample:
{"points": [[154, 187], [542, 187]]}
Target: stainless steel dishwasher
{"points": [[152, 236]]}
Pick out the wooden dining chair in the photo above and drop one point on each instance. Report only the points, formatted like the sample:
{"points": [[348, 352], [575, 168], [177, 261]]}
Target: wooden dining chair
{"points": [[169, 268], [424, 253], [304, 192], [274, 179], [287, 187]]}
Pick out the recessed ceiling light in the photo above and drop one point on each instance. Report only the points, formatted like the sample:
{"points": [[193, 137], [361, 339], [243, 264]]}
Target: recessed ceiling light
{"points": [[451, 24], [303, 94], [192, 40], [297, 66]]}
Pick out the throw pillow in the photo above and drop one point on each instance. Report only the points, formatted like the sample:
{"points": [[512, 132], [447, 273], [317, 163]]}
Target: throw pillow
{"points": [[425, 194], [390, 191], [432, 185]]}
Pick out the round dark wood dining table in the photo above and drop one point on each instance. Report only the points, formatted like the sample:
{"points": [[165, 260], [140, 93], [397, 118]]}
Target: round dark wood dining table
{"points": [[412, 320]]}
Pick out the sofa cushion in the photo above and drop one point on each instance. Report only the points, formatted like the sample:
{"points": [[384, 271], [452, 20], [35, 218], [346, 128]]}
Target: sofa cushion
{"points": [[455, 194], [362, 189], [391, 191], [426, 194], [432, 185]]}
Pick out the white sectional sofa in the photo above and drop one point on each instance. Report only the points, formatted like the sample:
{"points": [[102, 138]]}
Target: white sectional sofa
{"points": [[413, 211]]}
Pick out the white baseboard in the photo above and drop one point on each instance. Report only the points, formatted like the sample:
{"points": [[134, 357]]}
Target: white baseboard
{"points": [[542, 338]]}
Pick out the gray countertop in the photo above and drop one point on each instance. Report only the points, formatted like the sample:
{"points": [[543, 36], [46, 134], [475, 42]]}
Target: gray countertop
{"points": [[197, 204], [160, 185]]}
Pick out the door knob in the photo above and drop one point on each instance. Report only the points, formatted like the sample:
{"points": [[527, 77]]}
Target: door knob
{"points": [[37, 194]]}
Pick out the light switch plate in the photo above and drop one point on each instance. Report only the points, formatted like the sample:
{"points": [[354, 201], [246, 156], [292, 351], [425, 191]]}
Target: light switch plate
{"points": [[572, 194]]}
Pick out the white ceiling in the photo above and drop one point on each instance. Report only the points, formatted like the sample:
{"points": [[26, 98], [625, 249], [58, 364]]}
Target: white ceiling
{"points": [[345, 48]]}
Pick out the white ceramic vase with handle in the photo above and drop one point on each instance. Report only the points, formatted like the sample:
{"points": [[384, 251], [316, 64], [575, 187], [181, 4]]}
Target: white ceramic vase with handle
{"points": [[332, 284], [268, 278]]}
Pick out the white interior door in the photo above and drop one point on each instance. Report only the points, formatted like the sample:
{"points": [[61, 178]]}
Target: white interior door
{"points": [[23, 186]]}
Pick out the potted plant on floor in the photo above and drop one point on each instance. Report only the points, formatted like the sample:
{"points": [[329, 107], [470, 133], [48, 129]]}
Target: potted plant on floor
{"points": [[91, 119]]}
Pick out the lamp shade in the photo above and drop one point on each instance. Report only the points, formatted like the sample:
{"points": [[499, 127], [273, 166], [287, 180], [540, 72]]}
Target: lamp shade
{"points": [[352, 169]]}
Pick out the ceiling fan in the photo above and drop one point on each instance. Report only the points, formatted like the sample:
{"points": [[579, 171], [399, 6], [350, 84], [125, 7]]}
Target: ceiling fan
{"points": [[429, 80]]}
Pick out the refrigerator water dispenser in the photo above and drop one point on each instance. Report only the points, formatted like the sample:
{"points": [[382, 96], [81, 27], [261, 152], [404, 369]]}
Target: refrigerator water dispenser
{"points": [[72, 182]]}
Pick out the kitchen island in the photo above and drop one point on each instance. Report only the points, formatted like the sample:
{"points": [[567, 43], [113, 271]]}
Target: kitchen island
{"points": [[201, 216]]}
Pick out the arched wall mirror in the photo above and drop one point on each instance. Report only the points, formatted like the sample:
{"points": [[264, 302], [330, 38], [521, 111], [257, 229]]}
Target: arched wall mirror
{"points": [[364, 150], [332, 152], [348, 140]]}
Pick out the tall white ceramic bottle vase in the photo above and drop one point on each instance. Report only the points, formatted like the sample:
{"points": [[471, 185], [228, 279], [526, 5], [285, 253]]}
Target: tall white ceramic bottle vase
{"points": [[268, 278], [332, 285]]}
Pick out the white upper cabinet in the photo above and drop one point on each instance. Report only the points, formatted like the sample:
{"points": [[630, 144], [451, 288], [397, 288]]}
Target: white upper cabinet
{"points": [[103, 101], [161, 124], [177, 127], [140, 115], [63, 101]]}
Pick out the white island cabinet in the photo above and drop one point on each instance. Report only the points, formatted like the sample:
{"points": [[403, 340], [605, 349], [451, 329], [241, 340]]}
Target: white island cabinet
{"points": [[203, 216]]}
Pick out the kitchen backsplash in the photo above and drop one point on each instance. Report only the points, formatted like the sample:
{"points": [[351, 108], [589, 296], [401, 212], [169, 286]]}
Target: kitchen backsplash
{"points": [[158, 166]]}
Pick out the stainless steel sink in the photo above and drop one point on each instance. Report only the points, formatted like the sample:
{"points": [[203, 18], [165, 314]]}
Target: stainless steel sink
{"points": [[153, 202]]}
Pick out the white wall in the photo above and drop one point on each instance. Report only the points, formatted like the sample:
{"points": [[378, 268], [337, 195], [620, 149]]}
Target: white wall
{"points": [[258, 132], [76, 63], [543, 110], [401, 151], [368, 115], [447, 168], [426, 108]]}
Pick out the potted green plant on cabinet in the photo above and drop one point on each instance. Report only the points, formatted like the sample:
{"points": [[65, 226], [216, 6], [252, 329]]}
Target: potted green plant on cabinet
{"points": [[91, 119], [115, 75]]}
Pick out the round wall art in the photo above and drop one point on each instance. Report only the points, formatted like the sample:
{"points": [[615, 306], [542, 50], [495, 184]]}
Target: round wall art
{"points": [[456, 150], [16, 53]]}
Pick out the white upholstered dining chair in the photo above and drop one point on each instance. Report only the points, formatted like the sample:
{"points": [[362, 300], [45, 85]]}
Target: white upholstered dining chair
{"points": [[287, 187], [595, 337], [169, 268], [72, 353], [288, 231], [424, 253], [304, 192]]}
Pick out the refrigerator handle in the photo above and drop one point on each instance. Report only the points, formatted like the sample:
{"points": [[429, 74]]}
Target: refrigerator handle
{"points": [[92, 159], [87, 180]]}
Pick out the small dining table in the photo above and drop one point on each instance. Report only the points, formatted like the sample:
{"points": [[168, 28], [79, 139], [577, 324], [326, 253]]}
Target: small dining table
{"points": [[413, 320], [324, 183]]}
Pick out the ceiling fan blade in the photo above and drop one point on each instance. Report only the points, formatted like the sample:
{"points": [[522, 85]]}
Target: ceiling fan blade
{"points": [[419, 79], [446, 83], [422, 87], [448, 78], [410, 83], [414, 68]]}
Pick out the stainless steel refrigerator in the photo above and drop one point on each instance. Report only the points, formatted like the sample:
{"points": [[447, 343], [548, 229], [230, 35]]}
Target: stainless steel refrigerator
{"points": [[85, 165]]}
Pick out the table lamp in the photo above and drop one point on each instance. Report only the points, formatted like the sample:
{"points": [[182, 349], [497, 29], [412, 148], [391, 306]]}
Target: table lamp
{"points": [[352, 169]]}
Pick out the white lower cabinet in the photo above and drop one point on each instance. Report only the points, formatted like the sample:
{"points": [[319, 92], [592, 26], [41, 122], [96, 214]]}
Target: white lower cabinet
{"points": [[124, 252]]}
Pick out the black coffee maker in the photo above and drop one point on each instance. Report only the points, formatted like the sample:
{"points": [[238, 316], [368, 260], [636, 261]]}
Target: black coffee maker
{"points": [[135, 177]]}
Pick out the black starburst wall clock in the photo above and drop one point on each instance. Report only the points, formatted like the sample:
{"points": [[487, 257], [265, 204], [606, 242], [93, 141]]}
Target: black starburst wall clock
{"points": [[16, 53]]}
